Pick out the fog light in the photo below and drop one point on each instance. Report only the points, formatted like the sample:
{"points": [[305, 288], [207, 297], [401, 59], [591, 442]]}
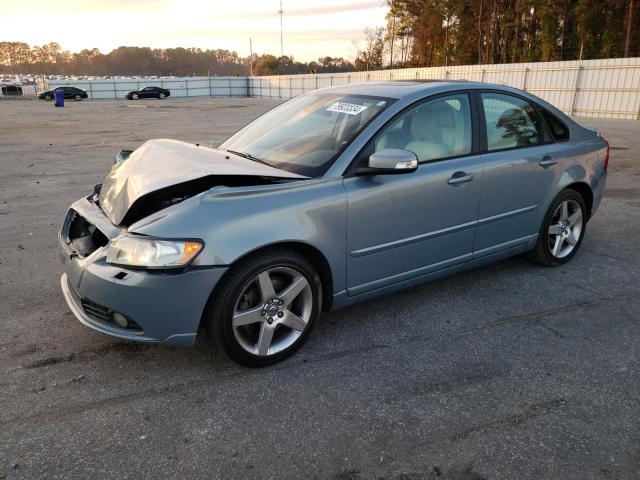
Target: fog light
{"points": [[120, 320]]}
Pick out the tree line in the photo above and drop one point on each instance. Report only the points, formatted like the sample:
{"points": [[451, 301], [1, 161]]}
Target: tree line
{"points": [[457, 32], [50, 59]]}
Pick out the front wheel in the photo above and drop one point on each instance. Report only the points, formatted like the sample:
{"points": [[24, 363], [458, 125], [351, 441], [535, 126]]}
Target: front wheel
{"points": [[78, 98], [48, 98], [134, 96], [161, 96], [562, 230], [265, 308]]}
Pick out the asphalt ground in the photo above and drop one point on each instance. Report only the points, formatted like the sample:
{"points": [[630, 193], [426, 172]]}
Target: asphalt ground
{"points": [[511, 371]]}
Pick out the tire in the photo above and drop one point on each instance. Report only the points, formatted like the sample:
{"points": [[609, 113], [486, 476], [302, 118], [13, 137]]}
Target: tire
{"points": [[562, 230], [77, 98], [48, 98], [134, 96], [242, 319], [161, 96]]}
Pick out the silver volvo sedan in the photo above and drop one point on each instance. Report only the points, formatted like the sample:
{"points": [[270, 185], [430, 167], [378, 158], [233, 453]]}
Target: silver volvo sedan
{"points": [[331, 198]]}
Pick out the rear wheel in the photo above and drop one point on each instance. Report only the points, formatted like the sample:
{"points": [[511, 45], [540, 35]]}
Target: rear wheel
{"points": [[562, 230], [265, 308]]}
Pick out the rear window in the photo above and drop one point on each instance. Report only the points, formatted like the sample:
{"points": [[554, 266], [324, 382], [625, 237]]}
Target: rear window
{"points": [[559, 130]]}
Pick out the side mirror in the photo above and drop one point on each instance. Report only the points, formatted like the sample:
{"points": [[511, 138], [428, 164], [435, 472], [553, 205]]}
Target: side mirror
{"points": [[392, 160], [122, 155]]}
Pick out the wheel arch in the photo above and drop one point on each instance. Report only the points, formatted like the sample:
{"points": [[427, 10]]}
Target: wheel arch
{"points": [[585, 192], [306, 250]]}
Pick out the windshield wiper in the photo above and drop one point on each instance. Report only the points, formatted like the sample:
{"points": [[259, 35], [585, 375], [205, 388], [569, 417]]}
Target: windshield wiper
{"points": [[248, 156]]}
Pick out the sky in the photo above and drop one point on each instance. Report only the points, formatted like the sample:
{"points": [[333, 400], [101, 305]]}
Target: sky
{"points": [[312, 28]]}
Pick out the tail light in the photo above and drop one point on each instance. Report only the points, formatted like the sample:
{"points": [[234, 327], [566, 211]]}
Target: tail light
{"points": [[606, 157]]}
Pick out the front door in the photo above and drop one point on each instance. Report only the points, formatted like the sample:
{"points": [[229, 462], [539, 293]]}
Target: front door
{"points": [[402, 226]]}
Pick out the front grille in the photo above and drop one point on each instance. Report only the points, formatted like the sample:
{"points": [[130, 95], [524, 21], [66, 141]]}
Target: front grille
{"points": [[96, 310]]}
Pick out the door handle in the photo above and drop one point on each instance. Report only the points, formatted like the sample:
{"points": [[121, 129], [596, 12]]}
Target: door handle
{"points": [[460, 177], [547, 161]]}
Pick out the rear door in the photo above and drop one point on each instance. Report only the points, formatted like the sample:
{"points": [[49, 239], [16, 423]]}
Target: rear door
{"points": [[403, 226], [521, 168]]}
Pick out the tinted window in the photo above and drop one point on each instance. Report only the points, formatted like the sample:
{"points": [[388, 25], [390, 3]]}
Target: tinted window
{"points": [[433, 130], [558, 129], [511, 122]]}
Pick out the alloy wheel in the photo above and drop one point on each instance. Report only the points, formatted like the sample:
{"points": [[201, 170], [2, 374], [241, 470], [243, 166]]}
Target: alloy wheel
{"points": [[565, 228], [272, 311]]}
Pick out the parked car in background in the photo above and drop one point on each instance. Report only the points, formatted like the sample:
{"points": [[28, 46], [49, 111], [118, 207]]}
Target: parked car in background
{"points": [[74, 93], [334, 197], [11, 90], [148, 92]]}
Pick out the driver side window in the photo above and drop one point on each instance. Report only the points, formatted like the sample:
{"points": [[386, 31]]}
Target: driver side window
{"points": [[433, 130]]}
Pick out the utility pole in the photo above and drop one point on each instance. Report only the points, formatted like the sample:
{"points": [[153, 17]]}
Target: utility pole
{"points": [[250, 58], [281, 12]]}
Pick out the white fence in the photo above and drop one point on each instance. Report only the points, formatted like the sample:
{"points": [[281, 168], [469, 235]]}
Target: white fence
{"points": [[607, 88], [593, 88]]}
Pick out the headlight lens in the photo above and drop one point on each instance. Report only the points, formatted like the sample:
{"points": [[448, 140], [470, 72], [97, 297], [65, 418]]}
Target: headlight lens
{"points": [[152, 253]]}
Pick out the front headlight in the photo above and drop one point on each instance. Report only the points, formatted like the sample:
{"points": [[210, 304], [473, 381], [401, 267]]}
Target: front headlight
{"points": [[129, 250]]}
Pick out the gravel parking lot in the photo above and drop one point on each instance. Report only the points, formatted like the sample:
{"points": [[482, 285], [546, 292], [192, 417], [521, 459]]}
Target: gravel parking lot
{"points": [[512, 371]]}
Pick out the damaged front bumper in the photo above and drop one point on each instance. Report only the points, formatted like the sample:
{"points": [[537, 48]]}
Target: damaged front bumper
{"points": [[162, 308]]}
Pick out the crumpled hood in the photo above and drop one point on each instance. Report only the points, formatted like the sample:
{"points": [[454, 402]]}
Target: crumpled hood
{"points": [[158, 164]]}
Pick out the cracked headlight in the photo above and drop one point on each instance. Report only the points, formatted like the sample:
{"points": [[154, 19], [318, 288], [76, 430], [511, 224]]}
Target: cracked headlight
{"points": [[143, 252]]}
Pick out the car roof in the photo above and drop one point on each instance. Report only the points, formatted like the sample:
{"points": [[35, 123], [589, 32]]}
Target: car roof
{"points": [[402, 88]]}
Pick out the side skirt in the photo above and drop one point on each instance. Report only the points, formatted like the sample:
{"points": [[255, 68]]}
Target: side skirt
{"points": [[342, 299]]}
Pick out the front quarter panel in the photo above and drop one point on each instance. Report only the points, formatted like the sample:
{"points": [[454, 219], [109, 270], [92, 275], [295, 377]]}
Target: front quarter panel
{"points": [[236, 221]]}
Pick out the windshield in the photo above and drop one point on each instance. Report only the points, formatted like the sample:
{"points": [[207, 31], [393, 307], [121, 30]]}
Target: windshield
{"points": [[305, 134]]}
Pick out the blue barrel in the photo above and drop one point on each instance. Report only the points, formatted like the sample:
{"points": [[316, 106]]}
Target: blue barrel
{"points": [[59, 96]]}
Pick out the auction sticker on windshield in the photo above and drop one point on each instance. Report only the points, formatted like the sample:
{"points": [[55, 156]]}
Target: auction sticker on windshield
{"points": [[348, 108]]}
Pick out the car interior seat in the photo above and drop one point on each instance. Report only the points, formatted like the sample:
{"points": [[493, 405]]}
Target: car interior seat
{"points": [[426, 140]]}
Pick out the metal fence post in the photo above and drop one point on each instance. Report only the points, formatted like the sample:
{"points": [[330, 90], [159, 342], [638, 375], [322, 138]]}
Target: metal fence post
{"points": [[575, 91], [482, 76], [524, 82], [115, 95], [209, 83]]}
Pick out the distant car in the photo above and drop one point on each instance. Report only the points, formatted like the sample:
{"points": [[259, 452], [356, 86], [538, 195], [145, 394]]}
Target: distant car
{"points": [[69, 93], [11, 90], [148, 92]]}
